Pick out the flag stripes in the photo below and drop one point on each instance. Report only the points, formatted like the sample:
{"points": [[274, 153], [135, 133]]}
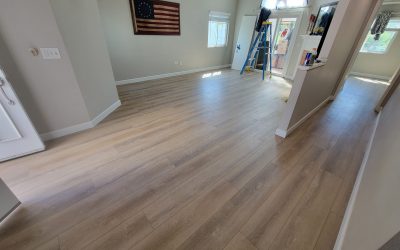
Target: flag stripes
{"points": [[165, 18]]}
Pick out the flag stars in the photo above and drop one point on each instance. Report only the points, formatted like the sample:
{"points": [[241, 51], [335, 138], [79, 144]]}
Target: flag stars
{"points": [[145, 10]]}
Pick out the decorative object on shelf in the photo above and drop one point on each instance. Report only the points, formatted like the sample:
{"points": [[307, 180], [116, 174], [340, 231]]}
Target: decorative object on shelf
{"points": [[155, 17], [311, 23], [323, 22]]}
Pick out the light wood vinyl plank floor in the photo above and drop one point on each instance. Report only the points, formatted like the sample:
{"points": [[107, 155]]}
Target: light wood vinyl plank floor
{"points": [[193, 163]]}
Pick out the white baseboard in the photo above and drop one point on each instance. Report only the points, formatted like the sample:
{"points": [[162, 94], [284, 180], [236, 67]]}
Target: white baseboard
{"points": [[66, 131], [155, 77], [81, 127], [106, 113], [356, 189], [365, 75], [285, 133]]}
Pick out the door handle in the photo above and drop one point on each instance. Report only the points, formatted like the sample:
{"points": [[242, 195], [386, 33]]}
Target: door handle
{"points": [[2, 84]]}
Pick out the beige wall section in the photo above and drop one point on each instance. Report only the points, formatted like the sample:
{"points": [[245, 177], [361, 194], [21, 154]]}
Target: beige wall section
{"points": [[55, 100], [81, 28], [319, 83], [381, 65], [135, 56], [375, 216]]}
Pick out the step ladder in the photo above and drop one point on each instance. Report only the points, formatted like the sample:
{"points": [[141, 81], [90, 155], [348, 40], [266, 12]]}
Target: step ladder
{"points": [[261, 44]]}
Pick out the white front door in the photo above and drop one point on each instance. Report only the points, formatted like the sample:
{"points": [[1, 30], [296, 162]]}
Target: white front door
{"points": [[18, 137], [243, 43]]}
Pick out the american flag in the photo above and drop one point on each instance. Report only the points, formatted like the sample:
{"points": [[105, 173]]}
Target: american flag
{"points": [[155, 17]]}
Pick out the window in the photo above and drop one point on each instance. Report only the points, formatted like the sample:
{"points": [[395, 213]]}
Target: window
{"points": [[378, 46], [218, 29], [386, 39], [284, 4]]}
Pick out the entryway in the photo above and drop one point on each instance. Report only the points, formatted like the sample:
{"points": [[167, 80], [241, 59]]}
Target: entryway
{"points": [[285, 26], [284, 33]]}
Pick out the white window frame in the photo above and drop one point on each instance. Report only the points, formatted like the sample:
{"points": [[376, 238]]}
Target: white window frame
{"points": [[218, 17], [389, 45], [275, 5]]}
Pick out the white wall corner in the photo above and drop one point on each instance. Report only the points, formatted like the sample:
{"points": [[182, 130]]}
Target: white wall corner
{"points": [[106, 113], [9, 202], [80, 127], [179, 73], [286, 132], [281, 133]]}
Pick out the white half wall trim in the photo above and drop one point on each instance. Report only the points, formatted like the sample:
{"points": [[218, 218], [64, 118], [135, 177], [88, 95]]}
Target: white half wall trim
{"points": [[81, 127], [155, 77]]}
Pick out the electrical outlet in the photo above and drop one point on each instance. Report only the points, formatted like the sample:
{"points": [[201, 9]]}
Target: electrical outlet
{"points": [[50, 53]]}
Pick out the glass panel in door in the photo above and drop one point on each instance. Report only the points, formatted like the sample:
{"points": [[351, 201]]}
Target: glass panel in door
{"points": [[283, 38]]}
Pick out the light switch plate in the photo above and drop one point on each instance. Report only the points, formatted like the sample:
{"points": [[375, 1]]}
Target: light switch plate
{"points": [[50, 53]]}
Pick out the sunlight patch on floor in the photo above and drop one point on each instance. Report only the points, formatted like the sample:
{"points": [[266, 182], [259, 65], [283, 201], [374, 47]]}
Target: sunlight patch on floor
{"points": [[375, 81], [208, 75]]}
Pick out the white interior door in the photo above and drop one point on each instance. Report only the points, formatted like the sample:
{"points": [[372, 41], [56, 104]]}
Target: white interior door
{"points": [[18, 137], [243, 43]]}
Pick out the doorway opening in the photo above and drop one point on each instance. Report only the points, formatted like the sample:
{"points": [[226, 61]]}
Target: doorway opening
{"points": [[282, 40], [375, 60], [284, 31]]}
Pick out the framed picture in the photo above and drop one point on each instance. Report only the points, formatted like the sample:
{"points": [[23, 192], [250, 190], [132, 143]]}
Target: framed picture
{"points": [[155, 17], [324, 18], [323, 22]]}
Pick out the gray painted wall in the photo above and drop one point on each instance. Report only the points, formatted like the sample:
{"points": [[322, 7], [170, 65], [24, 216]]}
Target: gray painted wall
{"points": [[57, 93], [48, 88], [81, 29], [375, 217], [134, 56], [8, 201]]}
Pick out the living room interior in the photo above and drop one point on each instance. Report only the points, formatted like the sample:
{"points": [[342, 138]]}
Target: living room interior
{"points": [[231, 124]]}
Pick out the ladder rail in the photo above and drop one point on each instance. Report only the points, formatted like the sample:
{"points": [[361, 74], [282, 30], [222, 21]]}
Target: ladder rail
{"points": [[265, 54], [263, 41], [250, 52]]}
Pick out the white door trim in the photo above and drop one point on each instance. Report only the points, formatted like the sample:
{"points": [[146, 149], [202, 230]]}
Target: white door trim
{"points": [[289, 14]]}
